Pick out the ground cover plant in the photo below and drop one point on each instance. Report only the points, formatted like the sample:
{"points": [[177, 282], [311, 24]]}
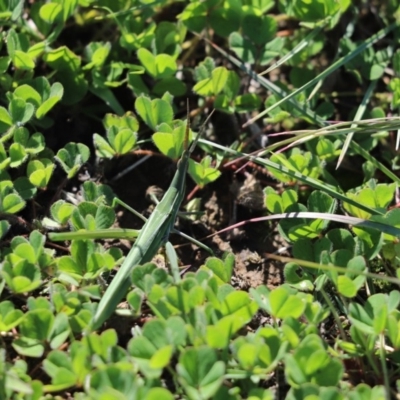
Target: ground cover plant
{"points": [[281, 278]]}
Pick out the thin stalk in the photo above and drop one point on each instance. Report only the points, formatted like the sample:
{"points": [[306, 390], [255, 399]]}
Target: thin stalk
{"points": [[335, 314], [334, 268], [339, 63], [359, 114], [315, 183], [382, 357], [299, 47]]}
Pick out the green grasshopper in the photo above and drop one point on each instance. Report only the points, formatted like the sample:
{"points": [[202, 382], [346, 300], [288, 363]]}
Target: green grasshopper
{"points": [[152, 236]]}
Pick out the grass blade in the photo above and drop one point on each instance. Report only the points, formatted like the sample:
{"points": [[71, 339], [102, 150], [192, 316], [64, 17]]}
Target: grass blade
{"points": [[331, 190], [342, 61], [359, 114], [299, 47], [343, 219]]}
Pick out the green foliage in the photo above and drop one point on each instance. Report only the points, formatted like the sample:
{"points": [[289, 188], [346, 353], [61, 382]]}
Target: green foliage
{"points": [[39, 172], [310, 363], [214, 83], [86, 261], [170, 139], [277, 203], [72, 157], [40, 329], [154, 112], [161, 67], [4, 227], [11, 202], [40, 95], [201, 374], [312, 12], [394, 87], [10, 317], [297, 161], [121, 136], [224, 85], [67, 67], [296, 228], [202, 173], [369, 64], [377, 196], [24, 145], [71, 68], [250, 47], [91, 216]]}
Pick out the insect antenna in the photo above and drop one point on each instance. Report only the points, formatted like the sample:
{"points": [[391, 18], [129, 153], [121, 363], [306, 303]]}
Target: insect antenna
{"points": [[201, 131], [186, 138]]}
